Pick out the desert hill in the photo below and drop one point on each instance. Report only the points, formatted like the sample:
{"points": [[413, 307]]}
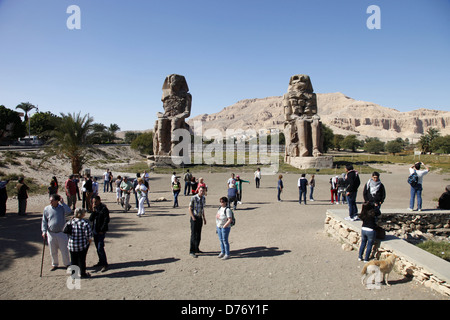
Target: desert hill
{"points": [[342, 114]]}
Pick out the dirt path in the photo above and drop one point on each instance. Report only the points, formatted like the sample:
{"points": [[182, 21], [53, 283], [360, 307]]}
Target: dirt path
{"points": [[279, 250]]}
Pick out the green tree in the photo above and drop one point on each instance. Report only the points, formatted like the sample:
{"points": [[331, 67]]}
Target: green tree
{"points": [[337, 141], [328, 137], [441, 144], [42, 123], [112, 129], [99, 134], [26, 107], [426, 140], [374, 145], [143, 143], [130, 136], [11, 126], [351, 142], [394, 147], [70, 140]]}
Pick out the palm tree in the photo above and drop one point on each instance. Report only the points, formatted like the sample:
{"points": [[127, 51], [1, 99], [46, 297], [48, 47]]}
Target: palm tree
{"points": [[113, 128], [70, 139], [26, 107]]}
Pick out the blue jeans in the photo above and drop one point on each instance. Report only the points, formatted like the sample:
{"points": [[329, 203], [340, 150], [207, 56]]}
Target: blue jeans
{"points": [[223, 234], [311, 190], [175, 198], [417, 190], [187, 187], [352, 208], [279, 194], [367, 238], [99, 240], [106, 186], [301, 194]]}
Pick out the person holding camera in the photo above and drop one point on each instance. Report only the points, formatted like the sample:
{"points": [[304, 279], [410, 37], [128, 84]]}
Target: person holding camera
{"points": [[416, 189]]}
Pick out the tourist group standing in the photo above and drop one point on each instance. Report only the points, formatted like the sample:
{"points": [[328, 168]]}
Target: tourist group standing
{"points": [[74, 246]]}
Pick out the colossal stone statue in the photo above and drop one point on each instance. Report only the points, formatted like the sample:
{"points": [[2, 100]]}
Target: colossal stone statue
{"points": [[302, 127], [177, 107]]}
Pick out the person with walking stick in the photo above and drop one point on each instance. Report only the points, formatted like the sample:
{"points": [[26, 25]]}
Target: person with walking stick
{"points": [[53, 221]]}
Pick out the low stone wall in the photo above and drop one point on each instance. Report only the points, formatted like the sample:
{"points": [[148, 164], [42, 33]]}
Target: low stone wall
{"points": [[350, 237], [415, 227]]}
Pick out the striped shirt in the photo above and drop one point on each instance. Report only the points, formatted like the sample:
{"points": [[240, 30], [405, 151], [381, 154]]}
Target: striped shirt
{"points": [[81, 233]]}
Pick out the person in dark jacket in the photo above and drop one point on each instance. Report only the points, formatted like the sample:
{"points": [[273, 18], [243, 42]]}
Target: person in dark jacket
{"points": [[22, 196], [302, 184], [353, 182], [3, 197], [100, 219], [374, 191], [368, 230], [444, 199]]}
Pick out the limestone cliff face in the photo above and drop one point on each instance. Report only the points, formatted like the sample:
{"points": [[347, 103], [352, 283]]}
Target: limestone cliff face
{"points": [[342, 114]]}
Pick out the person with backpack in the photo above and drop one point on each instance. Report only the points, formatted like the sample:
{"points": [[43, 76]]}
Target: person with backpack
{"points": [[416, 180], [187, 182], [353, 182], [224, 221], [341, 189], [334, 189]]}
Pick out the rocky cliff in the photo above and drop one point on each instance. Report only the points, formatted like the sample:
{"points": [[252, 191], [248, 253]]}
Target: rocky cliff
{"points": [[342, 114]]}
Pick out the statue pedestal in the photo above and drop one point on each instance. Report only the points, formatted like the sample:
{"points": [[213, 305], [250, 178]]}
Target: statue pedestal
{"points": [[310, 162], [165, 161]]}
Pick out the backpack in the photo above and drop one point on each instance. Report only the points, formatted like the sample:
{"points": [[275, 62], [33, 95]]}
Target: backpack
{"points": [[413, 179], [233, 219]]}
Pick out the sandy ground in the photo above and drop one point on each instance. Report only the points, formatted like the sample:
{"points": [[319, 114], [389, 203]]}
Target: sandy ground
{"points": [[279, 251]]}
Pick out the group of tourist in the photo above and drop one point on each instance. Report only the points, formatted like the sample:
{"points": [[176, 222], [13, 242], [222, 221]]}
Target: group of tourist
{"points": [[22, 196], [139, 186], [74, 245]]}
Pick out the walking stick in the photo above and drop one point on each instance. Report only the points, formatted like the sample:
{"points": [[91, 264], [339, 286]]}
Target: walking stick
{"points": [[43, 250]]}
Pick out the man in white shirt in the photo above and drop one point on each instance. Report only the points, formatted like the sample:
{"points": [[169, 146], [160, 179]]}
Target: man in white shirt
{"points": [[106, 181], [53, 221], [417, 189]]}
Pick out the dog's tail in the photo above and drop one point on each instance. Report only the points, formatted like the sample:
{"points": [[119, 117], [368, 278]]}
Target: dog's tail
{"points": [[364, 269]]}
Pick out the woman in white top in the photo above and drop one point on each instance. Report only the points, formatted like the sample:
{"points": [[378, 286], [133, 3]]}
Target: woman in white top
{"points": [[223, 227], [141, 191], [257, 177]]}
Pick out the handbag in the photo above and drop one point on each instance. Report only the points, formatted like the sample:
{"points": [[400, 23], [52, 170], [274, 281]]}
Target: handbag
{"points": [[68, 227]]}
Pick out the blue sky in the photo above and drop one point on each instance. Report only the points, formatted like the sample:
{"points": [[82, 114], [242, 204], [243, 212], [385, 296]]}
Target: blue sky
{"points": [[114, 66]]}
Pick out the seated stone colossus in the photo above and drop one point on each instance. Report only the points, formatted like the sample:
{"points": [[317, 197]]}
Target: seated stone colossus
{"points": [[302, 127], [177, 107]]}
